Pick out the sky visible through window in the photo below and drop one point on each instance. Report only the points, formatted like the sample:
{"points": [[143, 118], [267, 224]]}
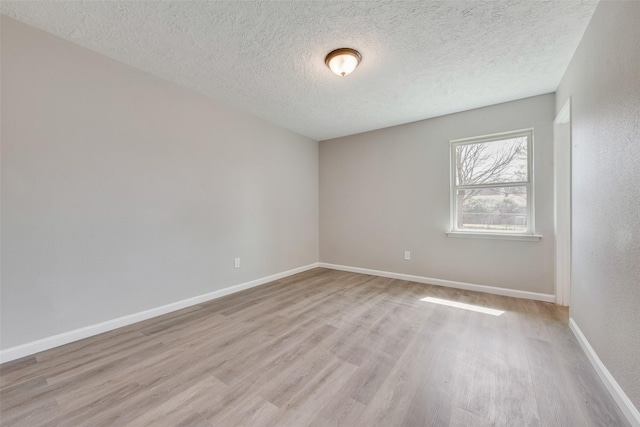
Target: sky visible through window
{"points": [[483, 204]]}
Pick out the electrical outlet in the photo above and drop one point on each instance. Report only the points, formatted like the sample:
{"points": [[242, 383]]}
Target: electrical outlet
{"points": [[407, 255], [236, 263]]}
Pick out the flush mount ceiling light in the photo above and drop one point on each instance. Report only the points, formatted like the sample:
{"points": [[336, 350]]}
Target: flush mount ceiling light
{"points": [[343, 61]]}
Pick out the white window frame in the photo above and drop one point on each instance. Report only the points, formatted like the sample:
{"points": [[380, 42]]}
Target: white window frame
{"points": [[529, 234]]}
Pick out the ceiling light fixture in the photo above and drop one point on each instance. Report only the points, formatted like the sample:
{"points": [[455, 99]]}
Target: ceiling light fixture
{"points": [[343, 61]]}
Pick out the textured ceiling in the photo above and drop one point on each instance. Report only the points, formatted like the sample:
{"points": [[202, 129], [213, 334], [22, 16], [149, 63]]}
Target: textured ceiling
{"points": [[420, 59]]}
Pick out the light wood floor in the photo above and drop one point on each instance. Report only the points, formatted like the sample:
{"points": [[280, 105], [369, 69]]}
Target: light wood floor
{"points": [[323, 348]]}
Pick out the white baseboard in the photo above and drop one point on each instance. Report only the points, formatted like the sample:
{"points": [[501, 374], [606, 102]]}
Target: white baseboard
{"points": [[621, 398], [47, 343], [446, 283]]}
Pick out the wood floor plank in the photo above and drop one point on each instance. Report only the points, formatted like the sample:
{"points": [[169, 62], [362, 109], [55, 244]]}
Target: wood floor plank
{"points": [[320, 348]]}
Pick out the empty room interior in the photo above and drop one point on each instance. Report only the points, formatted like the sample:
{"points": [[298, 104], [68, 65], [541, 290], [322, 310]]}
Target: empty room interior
{"points": [[320, 213]]}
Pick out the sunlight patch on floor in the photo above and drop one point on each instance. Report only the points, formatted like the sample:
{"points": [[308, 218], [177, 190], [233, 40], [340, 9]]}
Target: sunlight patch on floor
{"points": [[477, 308]]}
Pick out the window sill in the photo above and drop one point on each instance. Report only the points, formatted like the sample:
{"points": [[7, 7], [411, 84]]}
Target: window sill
{"points": [[496, 236]]}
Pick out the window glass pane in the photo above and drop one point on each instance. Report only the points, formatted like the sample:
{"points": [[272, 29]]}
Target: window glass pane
{"points": [[498, 209], [492, 162]]}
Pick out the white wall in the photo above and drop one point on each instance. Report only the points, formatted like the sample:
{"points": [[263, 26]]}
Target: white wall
{"points": [[122, 192], [603, 81], [387, 191]]}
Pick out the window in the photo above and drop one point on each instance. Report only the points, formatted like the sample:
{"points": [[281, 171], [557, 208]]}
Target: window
{"points": [[492, 185]]}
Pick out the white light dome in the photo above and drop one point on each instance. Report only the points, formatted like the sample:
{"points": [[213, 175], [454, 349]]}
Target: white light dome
{"points": [[343, 61]]}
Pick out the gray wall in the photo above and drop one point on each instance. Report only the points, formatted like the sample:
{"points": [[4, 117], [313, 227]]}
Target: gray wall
{"points": [[387, 191], [122, 192], [603, 81]]}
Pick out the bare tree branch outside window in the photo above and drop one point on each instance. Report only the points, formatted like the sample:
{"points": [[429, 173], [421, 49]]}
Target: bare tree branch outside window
{"points": [[487, 164]]}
